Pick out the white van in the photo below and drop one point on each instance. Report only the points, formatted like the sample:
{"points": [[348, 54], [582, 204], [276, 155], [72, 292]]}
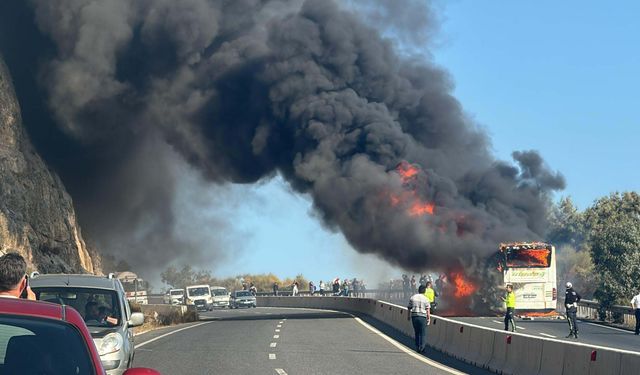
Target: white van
{"points": [[220, 296], [200, 296]]}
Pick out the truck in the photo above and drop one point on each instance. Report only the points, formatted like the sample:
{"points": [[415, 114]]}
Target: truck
{"points": [[135, 288]]}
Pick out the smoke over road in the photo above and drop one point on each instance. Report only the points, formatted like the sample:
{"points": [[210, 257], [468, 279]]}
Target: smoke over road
{"points": [[243, 90]]}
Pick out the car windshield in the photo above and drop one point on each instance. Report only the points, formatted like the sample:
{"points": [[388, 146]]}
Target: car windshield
{"points": [[98, 307], [243, 293], [42, 346], [198, 292], [176, 292], [219, 292]]}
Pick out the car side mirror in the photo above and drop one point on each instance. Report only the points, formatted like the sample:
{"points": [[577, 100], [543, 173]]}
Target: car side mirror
{"points": [[136, 320], [141, 371]]}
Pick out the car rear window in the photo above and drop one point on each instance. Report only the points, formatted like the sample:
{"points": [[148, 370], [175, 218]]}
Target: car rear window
{"points": [[243, 294], [98, 307], [177, 292], [42, 346]]}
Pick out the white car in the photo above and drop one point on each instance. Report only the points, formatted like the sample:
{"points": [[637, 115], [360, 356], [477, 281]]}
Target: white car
{"points": [[220, 296], [199, 296], [174, 297]]}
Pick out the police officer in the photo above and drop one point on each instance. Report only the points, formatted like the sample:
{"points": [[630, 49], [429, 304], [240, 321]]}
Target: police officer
{"points": [[510, 300], [431, 295], [571, 299]]}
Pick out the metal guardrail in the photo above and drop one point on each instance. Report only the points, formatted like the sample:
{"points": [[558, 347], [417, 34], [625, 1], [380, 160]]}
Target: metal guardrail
{"points": [[616, 314], [382, 294]]}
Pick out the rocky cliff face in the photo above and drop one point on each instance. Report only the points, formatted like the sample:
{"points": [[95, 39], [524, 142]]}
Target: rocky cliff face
{"points": [[36, 213]]}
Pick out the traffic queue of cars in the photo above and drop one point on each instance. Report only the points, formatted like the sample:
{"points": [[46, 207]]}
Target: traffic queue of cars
{"points": [[206, 298], [80, 324]]}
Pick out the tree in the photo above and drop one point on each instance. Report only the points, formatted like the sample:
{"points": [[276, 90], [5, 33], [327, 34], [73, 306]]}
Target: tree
{"points": [[185, 276], [577, 267], [566, 224], [614, 239]]}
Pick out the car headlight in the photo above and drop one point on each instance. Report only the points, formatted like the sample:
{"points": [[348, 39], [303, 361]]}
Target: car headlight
{"points": [[111, 343]]}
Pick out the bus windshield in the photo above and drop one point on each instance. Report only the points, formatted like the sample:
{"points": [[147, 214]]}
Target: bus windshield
{"points": [[528, 258]]}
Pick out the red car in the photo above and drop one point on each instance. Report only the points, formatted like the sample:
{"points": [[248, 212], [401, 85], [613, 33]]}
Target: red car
{"points": [[46, 338]]}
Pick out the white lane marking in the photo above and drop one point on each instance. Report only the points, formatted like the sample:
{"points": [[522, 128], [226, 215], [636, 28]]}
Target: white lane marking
{"points": [[280, 371], [603, 326], [273, 344], [406, 350], [167, 334], [272, 356], [276, 336], [277, 330], [518, 327], [497, 321], [545, 334], [279, 326], [281, 322]]}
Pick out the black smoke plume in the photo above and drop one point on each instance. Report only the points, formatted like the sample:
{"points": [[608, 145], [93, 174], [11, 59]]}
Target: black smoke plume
{"points": [[242, 90]]}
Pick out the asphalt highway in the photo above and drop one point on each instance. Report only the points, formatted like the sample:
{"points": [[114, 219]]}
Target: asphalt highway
{"points": [[589, 333], [286, 341]]}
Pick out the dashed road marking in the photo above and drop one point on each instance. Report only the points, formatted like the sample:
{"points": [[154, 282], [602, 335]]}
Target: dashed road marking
{"points": [[518, 327], [281, 322], [276, 336], [280, 371], [548, 335], [272, 356], [279, 326], [273, 344], [497, 321], [277, 330]]}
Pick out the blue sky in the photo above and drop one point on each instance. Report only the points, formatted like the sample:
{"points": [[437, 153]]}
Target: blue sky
{"points": [[558, 77]]}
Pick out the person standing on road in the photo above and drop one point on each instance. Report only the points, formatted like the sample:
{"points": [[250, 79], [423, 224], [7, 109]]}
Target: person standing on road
{"points": [[321, 285], [294, 290], [13, 277], [635, 305], [510, 300], [571, 299], [419, 314], [275, 288], [431, 295]]}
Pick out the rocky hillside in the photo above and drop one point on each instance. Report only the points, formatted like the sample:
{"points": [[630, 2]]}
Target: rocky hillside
{"points": [[36, 213]]}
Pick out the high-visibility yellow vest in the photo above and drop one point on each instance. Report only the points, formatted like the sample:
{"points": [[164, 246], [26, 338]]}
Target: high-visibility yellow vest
{"points": [[511, 299], [430, 294]]}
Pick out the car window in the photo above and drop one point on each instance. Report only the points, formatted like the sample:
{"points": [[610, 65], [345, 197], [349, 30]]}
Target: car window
{"points": [[243, 294], [219, 292], [39, 346], [176, 292], [98, 307]]}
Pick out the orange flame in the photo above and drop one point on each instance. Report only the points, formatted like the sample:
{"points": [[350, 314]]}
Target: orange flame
{"points": [[419, 209], [415, 206], [406, 171], [464, 288]]}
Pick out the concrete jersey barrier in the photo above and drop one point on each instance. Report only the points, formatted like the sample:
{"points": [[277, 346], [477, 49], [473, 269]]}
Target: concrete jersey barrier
{"points": [[499, 351]]}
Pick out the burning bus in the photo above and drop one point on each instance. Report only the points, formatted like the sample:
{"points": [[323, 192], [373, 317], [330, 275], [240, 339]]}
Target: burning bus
{"points": [[531, 268]]}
